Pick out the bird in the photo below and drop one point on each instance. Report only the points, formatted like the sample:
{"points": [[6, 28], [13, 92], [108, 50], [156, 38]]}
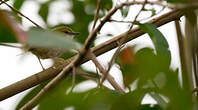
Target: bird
{"points": [[53, 53]]}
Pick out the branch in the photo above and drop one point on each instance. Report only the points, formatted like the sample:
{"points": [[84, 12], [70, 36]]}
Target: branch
{"points": [[98, 50], [104, 72], [97, 13], [185, 77], [111, 62]]}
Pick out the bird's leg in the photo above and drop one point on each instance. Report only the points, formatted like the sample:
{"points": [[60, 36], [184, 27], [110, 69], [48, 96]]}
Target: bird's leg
{"points": [[40, 62]]}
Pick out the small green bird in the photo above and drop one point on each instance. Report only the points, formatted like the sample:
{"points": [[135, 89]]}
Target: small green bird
{"points": [[45, 53]]}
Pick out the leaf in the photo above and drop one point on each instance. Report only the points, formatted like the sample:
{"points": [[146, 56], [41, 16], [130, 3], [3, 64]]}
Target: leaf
{"points": [[146, 67], [100, 99], [6, 35], [106, 4], [160, 43], [58, 98], [179, 99], [124, 11], [18, 4], [29, 96], [161, 102], [83, 19], [79, 13], [127, 56], [130, 101], [127, 65], [9, 30], [44, 11], [40, 38]]}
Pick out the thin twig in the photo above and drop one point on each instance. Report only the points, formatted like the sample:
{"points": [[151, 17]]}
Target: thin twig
{"points": [[185, 77], [40, 62], [88, 76], [155, 14], [96, 14], [98, 81], [121, 21], [14, 9], [8, 45], [112, 62]]}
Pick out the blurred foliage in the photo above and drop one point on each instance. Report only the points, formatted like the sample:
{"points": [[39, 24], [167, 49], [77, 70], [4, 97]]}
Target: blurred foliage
{"points": [[7, 28], [30, 95], [152, 70], [40, 38], [124, 11], [6, 35], [18, 4], [149, 67], [44, 11]]}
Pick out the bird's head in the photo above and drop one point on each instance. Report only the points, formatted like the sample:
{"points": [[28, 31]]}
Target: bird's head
{"points": [[66, 30]]}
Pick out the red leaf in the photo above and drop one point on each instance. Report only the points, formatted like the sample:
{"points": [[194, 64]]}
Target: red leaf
{"points": [[127, 56], [11, 24]]}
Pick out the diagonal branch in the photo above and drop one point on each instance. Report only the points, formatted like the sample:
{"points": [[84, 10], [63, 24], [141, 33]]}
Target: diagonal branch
{"points": [[98, 50], [104, 72], [97, 13]]}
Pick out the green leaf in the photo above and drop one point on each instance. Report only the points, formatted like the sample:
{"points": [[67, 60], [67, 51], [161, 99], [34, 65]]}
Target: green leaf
{"points": [[124, 11], [58, 98], [106, 4], [40, 38], [18, 4], [44, 11], [29, 96], [160, 43], [179, 99], [146, 58], [100, 99], [162, 103], [82, 20], [6, 35], [10, 32], [130, 101]]}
